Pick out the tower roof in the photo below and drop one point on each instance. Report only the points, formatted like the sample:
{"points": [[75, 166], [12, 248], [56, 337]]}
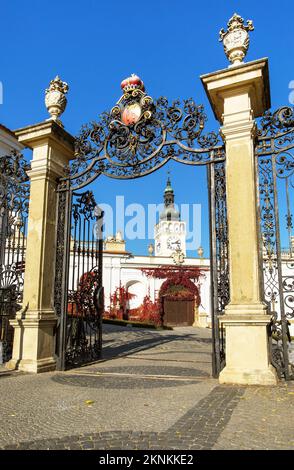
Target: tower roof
{"points": [[169, 212], [168, 186]]}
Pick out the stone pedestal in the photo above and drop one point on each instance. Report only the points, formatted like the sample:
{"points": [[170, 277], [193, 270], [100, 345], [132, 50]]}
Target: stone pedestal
{"points": [[247, 355], [200, 319], [34, 344], [237, 96]]}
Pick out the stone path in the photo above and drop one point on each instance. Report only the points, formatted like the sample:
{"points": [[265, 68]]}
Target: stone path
{"points": [[152, 390]]}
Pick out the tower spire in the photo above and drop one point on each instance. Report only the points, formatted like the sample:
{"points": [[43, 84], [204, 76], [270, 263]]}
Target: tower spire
{"points": [[169, 195], [169, 212]]}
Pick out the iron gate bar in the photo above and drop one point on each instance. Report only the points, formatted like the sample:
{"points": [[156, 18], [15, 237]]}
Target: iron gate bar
{"points": [[62, 272], [99, 291], [289, 218], [216, 359], [280, 274]]}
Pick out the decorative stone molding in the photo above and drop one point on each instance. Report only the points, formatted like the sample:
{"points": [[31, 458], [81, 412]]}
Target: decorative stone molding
{"points": [[236, 39], [251, 79], [238, 131]]}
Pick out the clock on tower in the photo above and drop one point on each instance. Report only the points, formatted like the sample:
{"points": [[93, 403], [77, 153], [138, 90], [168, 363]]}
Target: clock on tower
{"points": [[173, 243], [170, 232]]}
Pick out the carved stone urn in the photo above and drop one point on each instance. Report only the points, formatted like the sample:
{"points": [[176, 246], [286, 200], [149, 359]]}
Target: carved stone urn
{"points": [[236, 39], [55, 99]]}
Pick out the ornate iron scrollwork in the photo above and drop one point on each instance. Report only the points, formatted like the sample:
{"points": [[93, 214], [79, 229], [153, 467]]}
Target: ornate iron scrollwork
{"points": [[14, 203], [275, 123], [275, 165], [139, 135]]}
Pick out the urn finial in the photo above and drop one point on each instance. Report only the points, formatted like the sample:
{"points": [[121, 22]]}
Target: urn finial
{"points": [[236, 39], [200, 252], [55, 99], [151, 249]]}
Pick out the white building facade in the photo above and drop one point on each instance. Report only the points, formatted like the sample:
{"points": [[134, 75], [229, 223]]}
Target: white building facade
{"points": [[123, 269]]}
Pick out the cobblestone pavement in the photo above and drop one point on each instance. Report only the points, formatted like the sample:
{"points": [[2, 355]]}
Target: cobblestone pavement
{"points": [[151, 390], [263, 419]]}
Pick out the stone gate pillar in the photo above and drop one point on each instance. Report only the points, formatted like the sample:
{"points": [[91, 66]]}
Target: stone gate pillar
{"points": [[237, 95], [34, 345]]}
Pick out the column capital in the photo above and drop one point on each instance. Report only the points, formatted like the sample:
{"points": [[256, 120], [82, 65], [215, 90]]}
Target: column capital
{"points": [[53, 148], [37, 134], [251, 79]]}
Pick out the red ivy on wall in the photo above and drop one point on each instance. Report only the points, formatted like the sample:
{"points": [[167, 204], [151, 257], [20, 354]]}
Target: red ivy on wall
{"points": [[119, 303], [178, 284], [166, 272], [148, 312]]}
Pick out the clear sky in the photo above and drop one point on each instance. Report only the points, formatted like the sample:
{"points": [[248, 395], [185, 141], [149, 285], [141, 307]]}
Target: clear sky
{"points": [[94, 44]]}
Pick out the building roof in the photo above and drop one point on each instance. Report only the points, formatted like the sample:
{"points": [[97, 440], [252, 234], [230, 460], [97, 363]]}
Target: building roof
{"points": [[9, 131]]}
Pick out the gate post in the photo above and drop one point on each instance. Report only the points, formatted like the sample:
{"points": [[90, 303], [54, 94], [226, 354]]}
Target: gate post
{"points": [[238, 95], [34, 343]]}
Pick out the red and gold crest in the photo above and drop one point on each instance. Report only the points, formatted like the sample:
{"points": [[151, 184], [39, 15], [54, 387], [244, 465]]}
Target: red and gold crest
{"points": [[131, 114]]}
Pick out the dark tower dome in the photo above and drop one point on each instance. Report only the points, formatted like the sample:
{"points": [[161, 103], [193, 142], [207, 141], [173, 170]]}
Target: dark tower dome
{"points": [[169, 212]]}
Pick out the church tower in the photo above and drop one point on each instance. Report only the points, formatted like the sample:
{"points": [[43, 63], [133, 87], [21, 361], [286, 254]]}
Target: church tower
{"points": [[170, 232]]}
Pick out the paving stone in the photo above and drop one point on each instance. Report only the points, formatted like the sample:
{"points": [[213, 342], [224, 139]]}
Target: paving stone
{"points": [[152, 390]]}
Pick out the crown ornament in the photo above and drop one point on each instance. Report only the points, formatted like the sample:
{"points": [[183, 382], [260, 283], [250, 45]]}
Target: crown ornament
{"points": [[236, 39], [55, 99], [132, 83]]}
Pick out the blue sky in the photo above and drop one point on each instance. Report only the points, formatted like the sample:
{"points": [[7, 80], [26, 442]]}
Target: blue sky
{"points": [[94, 44]]}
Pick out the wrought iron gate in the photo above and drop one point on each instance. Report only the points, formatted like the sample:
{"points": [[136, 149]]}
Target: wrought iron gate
{"points": [[78, 282], [137, 137], [220, 286], [275, 168], [14, 203]]}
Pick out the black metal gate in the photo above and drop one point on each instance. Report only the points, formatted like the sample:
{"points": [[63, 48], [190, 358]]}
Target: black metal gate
{"points": [[219, 264], [275, 168], [137, 137], [78, 282], [14, 203]]}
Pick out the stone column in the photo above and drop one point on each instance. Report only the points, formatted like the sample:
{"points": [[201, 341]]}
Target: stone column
{"points": [[238, 95], [34, 344]]}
